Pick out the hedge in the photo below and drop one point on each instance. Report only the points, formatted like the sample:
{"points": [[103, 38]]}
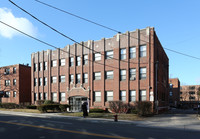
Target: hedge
{"points": [[31, 107], [96, 110], [53, 107], [9, 105]]}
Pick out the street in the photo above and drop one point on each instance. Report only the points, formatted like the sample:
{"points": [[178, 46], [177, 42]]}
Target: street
{"points": [[166, 126]]}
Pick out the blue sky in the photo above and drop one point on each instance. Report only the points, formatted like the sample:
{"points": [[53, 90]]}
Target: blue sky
{"points": [[176, 23]]}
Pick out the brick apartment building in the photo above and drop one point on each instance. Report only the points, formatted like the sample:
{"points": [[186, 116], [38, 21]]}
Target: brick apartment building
{"points": [[125, 69], [15, 82], [189, 96], [174, 92]]}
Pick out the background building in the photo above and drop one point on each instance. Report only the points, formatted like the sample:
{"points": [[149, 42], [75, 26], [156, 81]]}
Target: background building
{"points": [[189, 96], [174, 92], [15, 82], [129, 67]]}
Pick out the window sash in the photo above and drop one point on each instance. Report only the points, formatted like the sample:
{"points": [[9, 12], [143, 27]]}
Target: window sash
{"points": [[85, 77], [78, 78], [62, 62], [78, 60], [40, 66], [143, 95], [122, 75], [97, 76], [85, 59], [45, 96], [62, 78], [45, 81], [71, 61], [54, 79], [109, 74], [97, 96], [71, 78], [143, 51], [7, 94], [62, 97], [40, 81], [45, 65], [123, 54], [14, 70], [54, 97], [14, 94], [132, 74], [35, 67], [132, 52], [54, 63], [109, 54], [132, 95], [97, 57], [142, 73], [14, 81], [109, 95], [35, 82], [123, 95]]}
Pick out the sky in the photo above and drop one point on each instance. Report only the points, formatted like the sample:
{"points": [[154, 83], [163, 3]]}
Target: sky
{"points": [[176, 23]]}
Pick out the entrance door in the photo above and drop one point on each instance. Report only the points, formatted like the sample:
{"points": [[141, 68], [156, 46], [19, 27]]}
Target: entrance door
{"points": [[76, 102]]}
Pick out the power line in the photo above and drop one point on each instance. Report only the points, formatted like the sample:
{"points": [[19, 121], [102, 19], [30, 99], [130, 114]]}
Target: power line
{"points": [[66, 35], [51, 44], [69, 13]]}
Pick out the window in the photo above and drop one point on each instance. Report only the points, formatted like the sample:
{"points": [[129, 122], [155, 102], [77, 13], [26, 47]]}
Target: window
{"points": [[181, 92], [53, 63], [123, 95], [192, 97], [53, 79], [132, 74], [122, 75], [35, 81], [71, 61], [109, 74], [62, 78], [132, 95], [143, 51], [14, 70], [45, 96], [109, 54], [35, 96], [71, 78], [78, 60], [191, 92], [7, 82], [191, 87], [143, 73], [14, 82], [97, 76], [123, 54], [40, 81], [143, 95], [45, 65], [62, 96], [171, 86], [132, 52], [7, 94], [109, 96], [35, 67], [40, 66], [62, 62], [45, 81], [170, 94], [78, 78], [54, 97], [14, 94], [97, 97], [7, 71], [40, 96], [97, 56], [85, 78], [85, 59]]}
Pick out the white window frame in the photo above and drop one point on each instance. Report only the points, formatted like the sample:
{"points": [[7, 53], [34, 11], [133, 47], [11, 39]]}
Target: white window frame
{"points": [[97, 75], [14, 70], [78, 60], [143, 51], [62, 62], [109, 54], [53, 79], [7, 82], [45, 65], [35, 81], [97, 96], [85, 78], [132, 74], [132, 52], [109, 74], [123, 95], [122, 53], [109, 95], [132, 95], [62, 78], [54, 97], [143, 73], [40, 81], [122, 75], [40, 66], [14, 82], [85, 59], [62, 96], [71, 61], [14, 93], [54, 63], [45, 81], [97, 57], [78, 78], [35, 66], [143, 95], [71, 78]]}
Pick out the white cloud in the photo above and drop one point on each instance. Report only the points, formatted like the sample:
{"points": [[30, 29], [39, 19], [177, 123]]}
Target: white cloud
{"points": [[21, 23]]}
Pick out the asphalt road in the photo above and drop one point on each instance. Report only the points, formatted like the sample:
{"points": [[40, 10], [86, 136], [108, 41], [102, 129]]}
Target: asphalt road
{"points": [[23, 127]]}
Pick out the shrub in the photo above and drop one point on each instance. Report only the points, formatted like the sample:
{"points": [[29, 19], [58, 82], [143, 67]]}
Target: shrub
{"points": [[9, 105], [48, 102], [39, 102], [63, 107], [31, 107], [46, 107], [96, 110], [144, 108], [118, 107]]}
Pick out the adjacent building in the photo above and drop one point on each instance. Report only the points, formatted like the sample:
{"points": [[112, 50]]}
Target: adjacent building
{"points": [[189, 95], [15, 83], [129, 67], [174, 92]]}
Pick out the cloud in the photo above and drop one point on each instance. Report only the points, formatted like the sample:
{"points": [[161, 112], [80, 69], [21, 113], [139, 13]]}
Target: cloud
{"points": [[20, 23]]}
